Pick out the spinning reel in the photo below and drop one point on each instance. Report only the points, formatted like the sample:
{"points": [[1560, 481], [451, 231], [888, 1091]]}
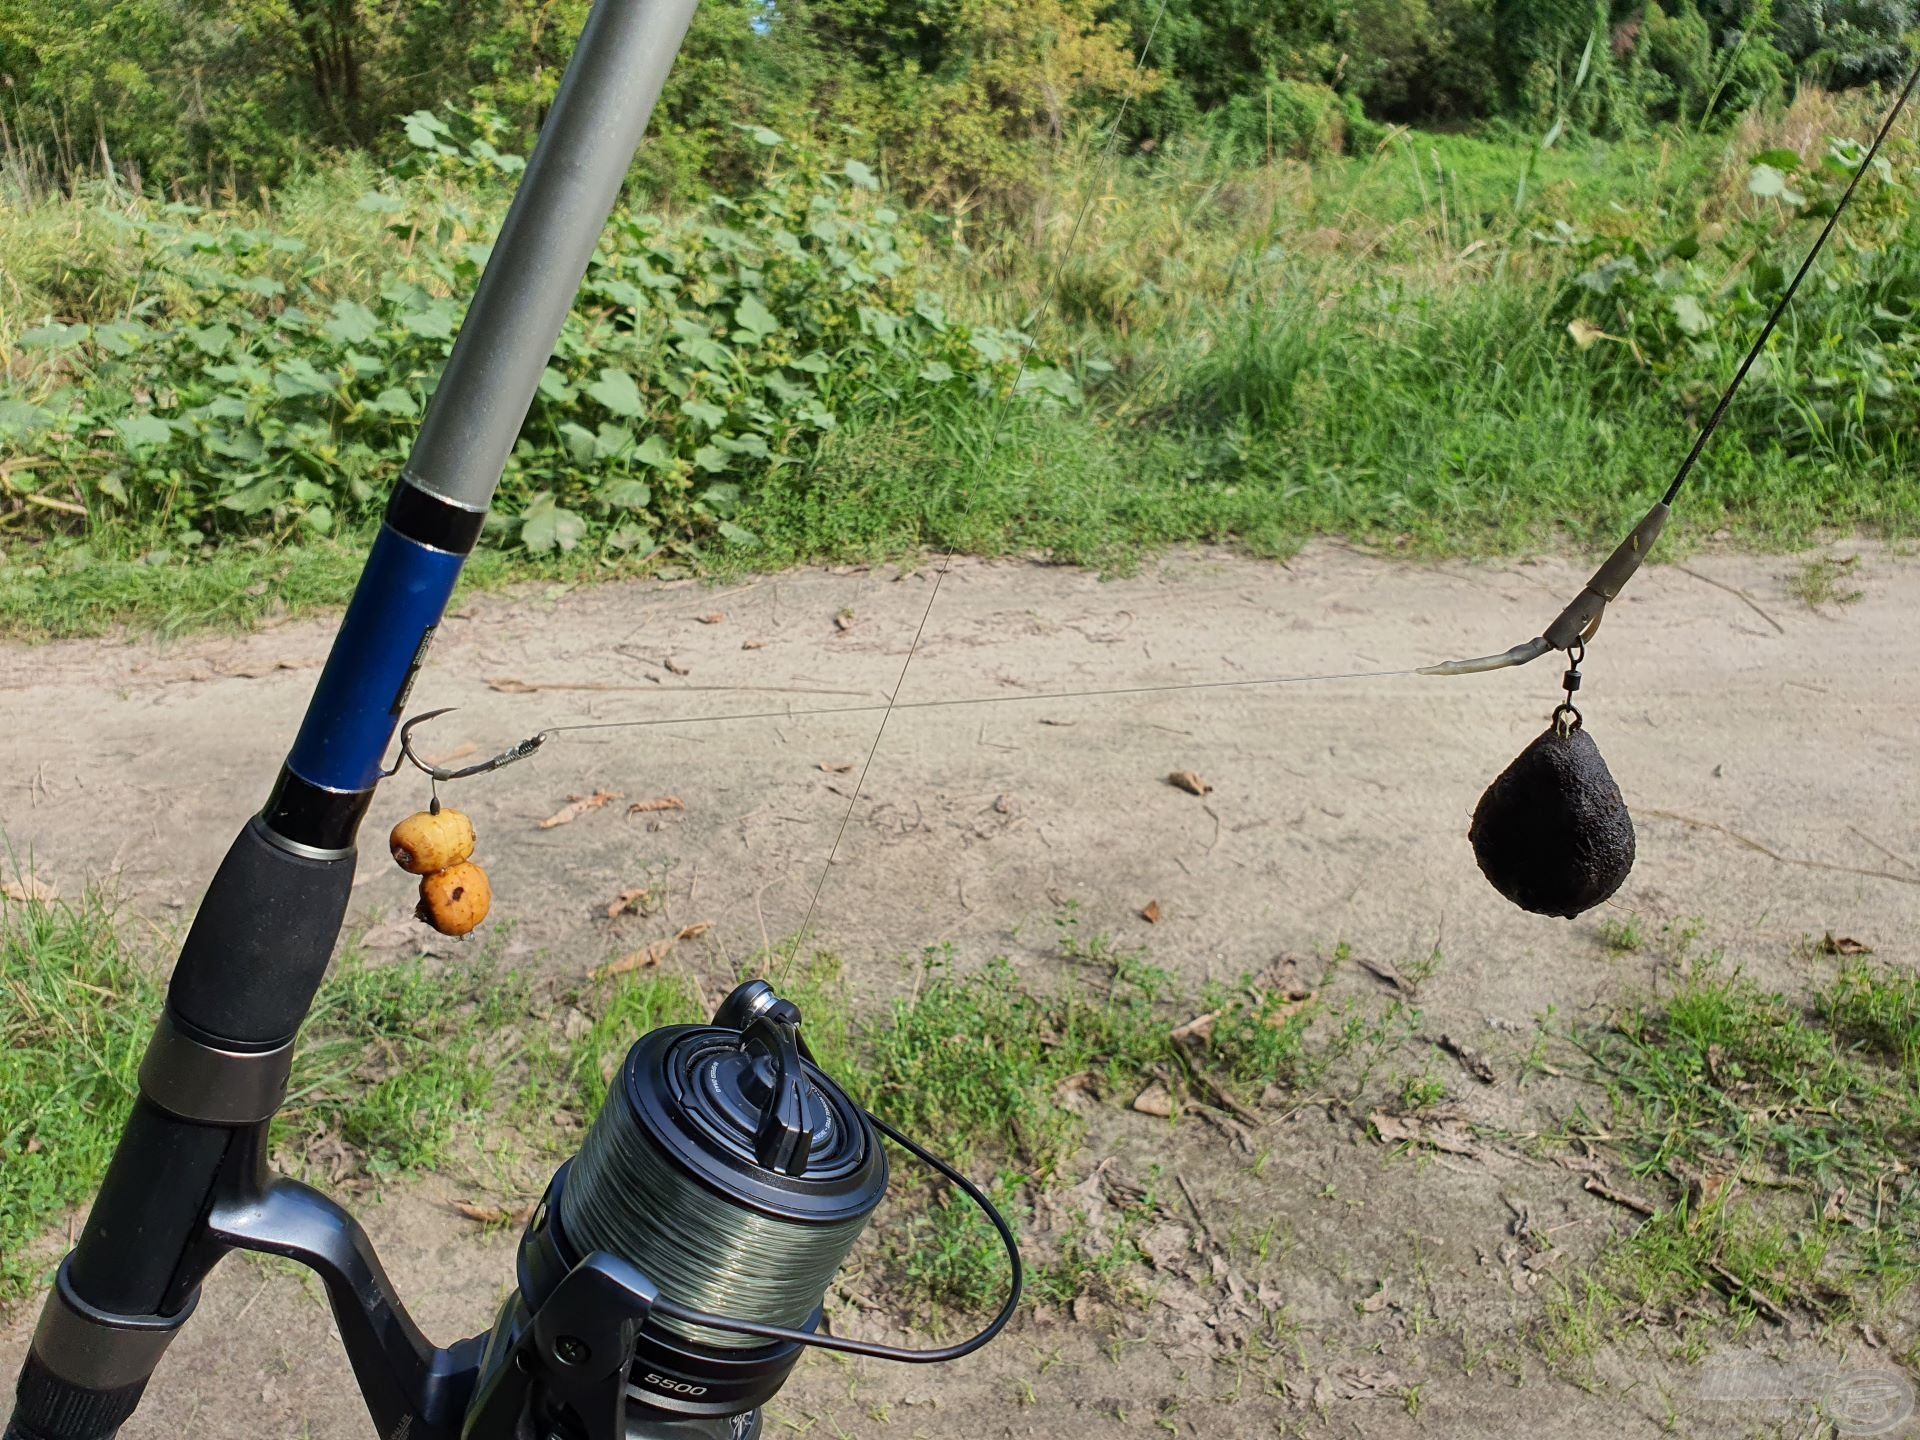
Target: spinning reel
{"points": [[672, 1274], [725, 1173]]}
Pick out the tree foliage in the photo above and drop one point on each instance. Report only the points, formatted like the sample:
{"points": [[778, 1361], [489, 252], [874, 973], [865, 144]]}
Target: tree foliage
{"points": [[957, 98]]}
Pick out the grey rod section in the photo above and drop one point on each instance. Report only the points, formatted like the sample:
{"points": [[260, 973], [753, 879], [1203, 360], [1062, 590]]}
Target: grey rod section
{"points": [[568, 190]]}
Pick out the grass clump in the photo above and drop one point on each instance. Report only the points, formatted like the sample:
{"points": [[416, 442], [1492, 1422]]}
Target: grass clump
{"points": [[76, 1009], [1771, 1135], [396, 1059], [1725, 1071], [1824, 581], [980, 1061], [395, 1062]]}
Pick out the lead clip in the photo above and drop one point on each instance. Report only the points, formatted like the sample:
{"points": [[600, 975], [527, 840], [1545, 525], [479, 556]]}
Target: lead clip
{"points": [[1580, 621]]}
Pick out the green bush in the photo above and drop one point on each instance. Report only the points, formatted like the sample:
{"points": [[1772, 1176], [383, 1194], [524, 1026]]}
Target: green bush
{"points": [[708, 352], [1288, 119], [1843, 380]]}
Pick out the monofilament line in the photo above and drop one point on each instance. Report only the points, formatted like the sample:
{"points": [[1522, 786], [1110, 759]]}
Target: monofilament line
{"points": [[992, 446], [959, 701]]}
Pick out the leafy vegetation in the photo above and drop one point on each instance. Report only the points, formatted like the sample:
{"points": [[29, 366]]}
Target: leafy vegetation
{"points": [[243, 390], [965, 101], [1455, 344]]}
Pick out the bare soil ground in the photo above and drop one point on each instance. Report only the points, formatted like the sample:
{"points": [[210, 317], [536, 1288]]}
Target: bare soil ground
{"points": [[1305, 1278]]}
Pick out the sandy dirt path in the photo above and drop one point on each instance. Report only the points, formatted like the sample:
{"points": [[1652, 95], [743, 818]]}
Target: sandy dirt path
{"points": [[1768, 751]]}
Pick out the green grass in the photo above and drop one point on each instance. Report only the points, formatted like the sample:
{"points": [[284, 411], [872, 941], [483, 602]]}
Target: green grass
{"points": [[76, 1008], [1767, 1132], [56, 591], [1824, 581], [1374, 348], [397, 1059], [414, 1065], [397, 1062]]}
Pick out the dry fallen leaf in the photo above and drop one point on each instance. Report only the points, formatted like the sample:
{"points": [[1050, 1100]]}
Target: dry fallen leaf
{"points": [[753, 644], [634, 899], [1156, 1100], [718, 617], [1703, 1194], [1150, 912], [843, 620], [576, 806], [507, 685], [1585, 333], [1477, 1065], [1167, 1247], [663, 802], [832, 769], [645, 958], [494, 1214], [1439, 1132], [695, 930], [1845, 945], [1374, 1303], [1278, 1016], [1283, 978], [674, 667], [1190, 782], [1197, 1031], [28, 887], [1069, 1090]]}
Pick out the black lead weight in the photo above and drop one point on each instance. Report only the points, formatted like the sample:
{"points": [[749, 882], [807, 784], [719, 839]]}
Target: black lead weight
{"points": [[1552, 832]]}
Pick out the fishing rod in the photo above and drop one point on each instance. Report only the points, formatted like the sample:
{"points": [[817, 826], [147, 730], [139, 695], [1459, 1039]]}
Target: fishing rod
{"points": [[675, 1270], [727, 1172]]}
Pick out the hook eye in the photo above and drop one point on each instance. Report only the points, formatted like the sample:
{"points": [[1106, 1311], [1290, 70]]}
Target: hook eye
{"points": [[406, 754]]}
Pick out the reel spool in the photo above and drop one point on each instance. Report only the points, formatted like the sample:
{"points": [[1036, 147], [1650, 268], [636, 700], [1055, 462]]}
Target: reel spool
{"points": [[718, 1193]]}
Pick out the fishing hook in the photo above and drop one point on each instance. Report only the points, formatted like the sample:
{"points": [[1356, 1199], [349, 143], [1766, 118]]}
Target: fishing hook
{"points": [[438, 773]]}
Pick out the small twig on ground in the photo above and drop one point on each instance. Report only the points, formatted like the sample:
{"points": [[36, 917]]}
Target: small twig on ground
{"points": [[1226, 1101], [1194, 1205], [1748, 1292], [1899, 860], [1385, 974], [1594, 1185], [1771, 854], [1737, 593]]}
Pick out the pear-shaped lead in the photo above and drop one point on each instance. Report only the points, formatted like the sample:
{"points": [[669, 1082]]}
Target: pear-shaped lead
{"points": [[1552, 832]]}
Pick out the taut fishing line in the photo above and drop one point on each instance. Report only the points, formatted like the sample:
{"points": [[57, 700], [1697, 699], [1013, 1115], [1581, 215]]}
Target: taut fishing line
{"points": [[993, 444], [1552, 832]]}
